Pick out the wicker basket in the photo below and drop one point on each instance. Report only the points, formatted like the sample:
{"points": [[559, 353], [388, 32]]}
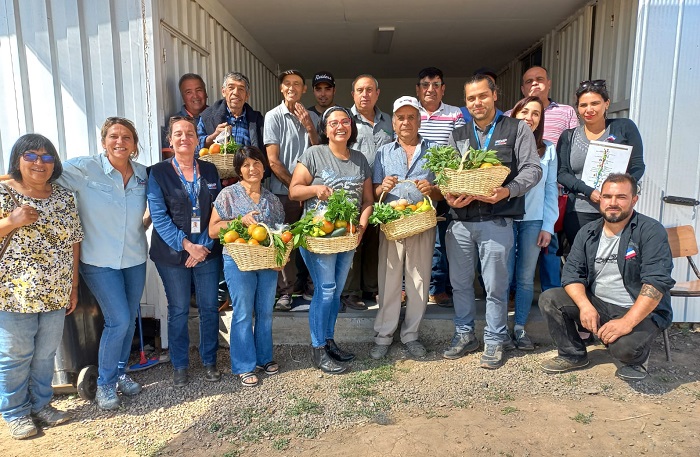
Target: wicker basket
{"points": [[479, 181], [223, 162], [409, 225], [249, 257], [334, 245]]}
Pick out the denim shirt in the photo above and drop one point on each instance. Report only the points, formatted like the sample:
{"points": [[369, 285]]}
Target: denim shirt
{"points": [[111, 215], [541, 202], [391, 161]]}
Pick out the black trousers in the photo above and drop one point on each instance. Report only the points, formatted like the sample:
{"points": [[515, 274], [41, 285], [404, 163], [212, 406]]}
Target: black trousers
{"points": [[562, 315]]}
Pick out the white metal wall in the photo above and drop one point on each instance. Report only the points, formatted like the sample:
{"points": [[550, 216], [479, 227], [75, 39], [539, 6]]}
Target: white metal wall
{"points": [[664, 105], [199, 37], [68, 65]]}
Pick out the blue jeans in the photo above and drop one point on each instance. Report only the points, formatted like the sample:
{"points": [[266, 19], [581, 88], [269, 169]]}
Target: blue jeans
{"points": [[118, 292], [439, 280], [491, 242], [28, 343], [329, 272], [550, 265], [251, 292], [522, 263], [177, 281]]}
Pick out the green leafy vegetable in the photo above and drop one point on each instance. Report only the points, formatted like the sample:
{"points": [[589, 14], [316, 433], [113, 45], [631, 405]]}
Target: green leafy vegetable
{"points": [[440, 157], [341, 207]]}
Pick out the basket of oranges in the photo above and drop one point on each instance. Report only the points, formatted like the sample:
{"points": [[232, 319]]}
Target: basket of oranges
{"points": [[256, 247], [221, 155], [401, 218]]}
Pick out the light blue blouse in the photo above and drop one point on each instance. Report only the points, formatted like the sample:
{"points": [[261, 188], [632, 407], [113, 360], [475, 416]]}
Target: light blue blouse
{"points": [[111, 216], [541, 201]]}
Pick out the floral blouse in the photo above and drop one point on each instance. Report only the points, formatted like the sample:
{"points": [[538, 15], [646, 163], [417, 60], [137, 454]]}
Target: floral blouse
{"points": [[233, 201], [36, 272]]}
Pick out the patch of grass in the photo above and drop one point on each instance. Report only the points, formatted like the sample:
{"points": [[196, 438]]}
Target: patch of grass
{"points": [[303, 406], [509, 410], [362, 384], [233, 453], [274, 428], [606, 387], [500, 396], [231, 430], [368, 410], [696, 394], [526, 369], [570, 379], [664, 378], [248, 414], [431, 414], [214, 427], [149, 448], [280, 444], [308, 431], [582, 418], [461, 403]]}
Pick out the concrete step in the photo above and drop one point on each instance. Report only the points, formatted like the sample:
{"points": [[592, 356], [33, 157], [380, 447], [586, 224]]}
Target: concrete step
{"points": [[292, 327]]}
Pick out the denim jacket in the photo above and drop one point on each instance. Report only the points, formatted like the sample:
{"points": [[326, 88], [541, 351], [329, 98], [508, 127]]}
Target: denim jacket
{"points": [[644, 257]]}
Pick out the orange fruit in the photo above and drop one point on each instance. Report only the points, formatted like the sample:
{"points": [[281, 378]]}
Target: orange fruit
{"points": [[231, 236], [286, 236], [327, 227], [240, 240], [252, 227], [203, 151], [259, 233], [253, 241], [411, 207], [400, 207], [214, 149], [486, 165]]}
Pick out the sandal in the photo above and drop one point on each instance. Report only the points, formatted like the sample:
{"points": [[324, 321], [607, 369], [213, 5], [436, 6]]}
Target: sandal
{"points": [[270, 368], [248, 379]]}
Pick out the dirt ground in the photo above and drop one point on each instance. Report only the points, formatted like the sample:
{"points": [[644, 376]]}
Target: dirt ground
{"points": [[440, 407]]}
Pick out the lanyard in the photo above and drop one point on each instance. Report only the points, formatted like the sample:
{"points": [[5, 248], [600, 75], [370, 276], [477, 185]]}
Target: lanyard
{"points": [[192, 188], [488, 136]]}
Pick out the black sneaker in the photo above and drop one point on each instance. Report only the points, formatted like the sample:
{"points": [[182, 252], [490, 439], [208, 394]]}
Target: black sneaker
{"points": [[461, 344], [492, 357], [523, 341], [633, 372], [559, 364]]}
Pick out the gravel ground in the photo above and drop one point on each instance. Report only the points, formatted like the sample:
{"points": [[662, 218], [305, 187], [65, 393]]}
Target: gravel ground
{"points": [[301, 403]]}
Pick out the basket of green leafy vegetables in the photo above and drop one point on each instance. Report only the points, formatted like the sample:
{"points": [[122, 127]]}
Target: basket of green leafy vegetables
{"points": [[402, 218], [477, 173]]}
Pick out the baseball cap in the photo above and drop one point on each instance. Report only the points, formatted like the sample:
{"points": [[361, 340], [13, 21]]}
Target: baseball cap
{"points": [[290, 72], [323, 77], [406, 101]]}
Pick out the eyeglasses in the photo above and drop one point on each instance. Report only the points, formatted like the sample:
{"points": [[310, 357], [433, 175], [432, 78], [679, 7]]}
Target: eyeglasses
{"points": [[32, 156], [347, 122], [591, 83], [426, 84]]}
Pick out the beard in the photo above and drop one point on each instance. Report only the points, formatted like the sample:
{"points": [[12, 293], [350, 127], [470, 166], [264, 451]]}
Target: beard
{"points": [[621, 216]]}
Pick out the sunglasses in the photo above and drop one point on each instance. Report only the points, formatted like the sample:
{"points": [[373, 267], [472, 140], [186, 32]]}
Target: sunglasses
{"points": [[344, 122], [32, 156], [426, 84], [591, 83]]}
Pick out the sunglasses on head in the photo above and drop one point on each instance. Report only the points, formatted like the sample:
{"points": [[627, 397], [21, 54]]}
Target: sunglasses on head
{"points": [[592, 83], [32, 156]]}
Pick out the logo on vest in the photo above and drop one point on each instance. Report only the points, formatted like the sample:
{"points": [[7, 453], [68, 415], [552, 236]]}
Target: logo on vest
{"points": [[502, 142], [211, 186]]}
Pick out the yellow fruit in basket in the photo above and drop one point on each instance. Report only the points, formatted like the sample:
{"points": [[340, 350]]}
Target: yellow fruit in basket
{"points": [[252, 227], [230, 236], [411, 207], [215, 148], [400, 207], [253, 241], [259, 233], [203, 152], [340, 224], [240, 240], [486, 165], [327, 227]]}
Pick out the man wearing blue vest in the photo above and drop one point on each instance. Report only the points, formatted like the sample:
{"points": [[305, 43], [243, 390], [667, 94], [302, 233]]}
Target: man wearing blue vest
{"points": [[482, 226]]}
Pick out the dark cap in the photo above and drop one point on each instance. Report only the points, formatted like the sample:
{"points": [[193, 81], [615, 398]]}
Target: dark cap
{"points": [[486, 71], [323, 77], [290, 72]]}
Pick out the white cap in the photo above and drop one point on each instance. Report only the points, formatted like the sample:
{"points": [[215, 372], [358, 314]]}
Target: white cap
{"points": [[406, 101]]}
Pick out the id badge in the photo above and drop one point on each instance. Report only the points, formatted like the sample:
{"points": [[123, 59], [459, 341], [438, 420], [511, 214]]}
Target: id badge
{"points": [[196, 226]]}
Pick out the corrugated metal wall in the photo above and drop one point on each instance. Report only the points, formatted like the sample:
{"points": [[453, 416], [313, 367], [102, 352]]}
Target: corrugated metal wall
{"points": [[664, 104], [68, 65], [196, 37]]}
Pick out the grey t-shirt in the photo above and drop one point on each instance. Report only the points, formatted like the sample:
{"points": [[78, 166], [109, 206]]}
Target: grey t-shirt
{"points": [[283, 128], [577, 158], [608, 284], [327, 169]]}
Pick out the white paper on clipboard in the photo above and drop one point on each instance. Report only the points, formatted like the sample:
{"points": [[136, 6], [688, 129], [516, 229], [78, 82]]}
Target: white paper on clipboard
{"points": [[603, 159]]}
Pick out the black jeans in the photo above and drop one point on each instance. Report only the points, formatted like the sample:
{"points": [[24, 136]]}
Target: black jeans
{"points": [[574, 220], [562, 315]]}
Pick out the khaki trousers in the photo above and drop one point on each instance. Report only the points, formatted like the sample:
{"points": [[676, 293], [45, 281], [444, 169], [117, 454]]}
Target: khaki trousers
{"points": [[410, 258]]}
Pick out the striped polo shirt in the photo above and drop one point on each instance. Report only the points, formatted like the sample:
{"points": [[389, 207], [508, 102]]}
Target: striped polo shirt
{"points": [[557, 118], [438, 126]]}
